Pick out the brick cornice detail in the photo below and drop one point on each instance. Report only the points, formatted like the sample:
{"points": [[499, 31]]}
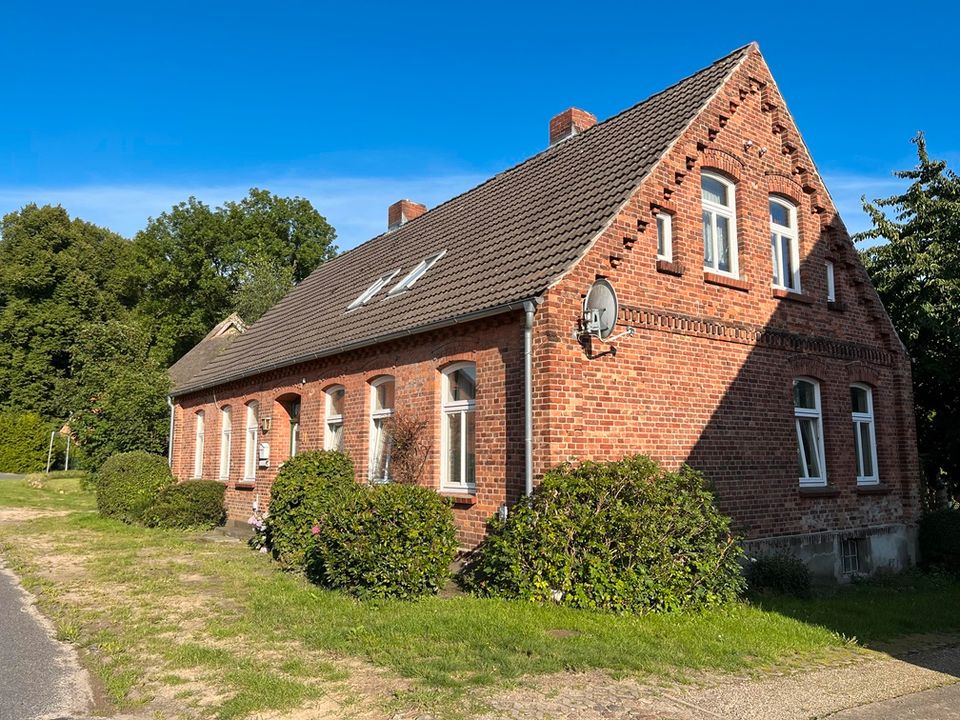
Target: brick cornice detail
{"points": [[780, 184], [747, 334], [727, 163]]}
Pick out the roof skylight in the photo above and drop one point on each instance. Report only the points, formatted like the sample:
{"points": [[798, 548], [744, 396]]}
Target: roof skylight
{"points": [[368, 294], [416, 273]]}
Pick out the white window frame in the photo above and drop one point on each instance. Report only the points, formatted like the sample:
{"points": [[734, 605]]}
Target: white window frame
{"points": [[418, 272], [251, 442], [865, 418], [810, 414], [295, 424], [226, 440], [367, 295], [333, 421], [789, 232], [831, 282], [462, 408], [730, 213], [375, 430], [664, 223], [198, 419]]}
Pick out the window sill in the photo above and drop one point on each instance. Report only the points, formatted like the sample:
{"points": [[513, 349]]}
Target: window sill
{"points": [[784, 294], [725, 281], [459, 498], [245, 484], [821, 491], [875, 489], [669, 267], [835, 305]]}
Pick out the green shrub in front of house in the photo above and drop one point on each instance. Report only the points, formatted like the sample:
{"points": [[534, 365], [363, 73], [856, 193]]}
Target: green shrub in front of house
{"points": [[307, 488], [939, 539], [780, 574], [386, 541], [618, 536], [194, 504], [24, 439], [128, 483]]}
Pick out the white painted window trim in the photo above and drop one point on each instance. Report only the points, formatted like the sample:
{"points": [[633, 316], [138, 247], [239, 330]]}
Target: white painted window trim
{"points": [[813, 414], [831, 282], [866, 418], [418, 272], [295, 429], [374, 435], [250, 447], [367, 295], [332, 421], [789, 232], [667, 220], [730, 213], [226, 440], [461, 407], [198, 444]]}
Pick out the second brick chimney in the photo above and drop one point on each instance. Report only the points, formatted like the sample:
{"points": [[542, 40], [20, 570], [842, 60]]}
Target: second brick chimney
{"points": [[402, 212], [569, 123]]}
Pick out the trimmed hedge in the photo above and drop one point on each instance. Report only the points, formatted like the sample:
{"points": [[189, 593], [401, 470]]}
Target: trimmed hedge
{"points": [[618, 536], [782, 574], [191, 504], [939, 539], [386, 541], [24, 438], [128, 483], [307, 488]]}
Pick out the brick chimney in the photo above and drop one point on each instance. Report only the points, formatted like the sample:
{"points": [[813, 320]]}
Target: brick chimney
{"points": [[569, 123], [402, 212]]}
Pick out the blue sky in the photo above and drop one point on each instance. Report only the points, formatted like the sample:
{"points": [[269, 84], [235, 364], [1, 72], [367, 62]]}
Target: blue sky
{"points": [[119, 110]]}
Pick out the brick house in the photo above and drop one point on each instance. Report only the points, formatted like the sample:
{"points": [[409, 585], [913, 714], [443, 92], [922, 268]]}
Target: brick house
{"points": [[759, 354]]}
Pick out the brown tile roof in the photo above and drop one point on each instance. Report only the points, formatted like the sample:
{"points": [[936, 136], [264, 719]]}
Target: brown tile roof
{"points": [[506, 240], [184, 370]]}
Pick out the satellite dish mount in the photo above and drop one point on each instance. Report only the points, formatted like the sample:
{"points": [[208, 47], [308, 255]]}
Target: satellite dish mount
{"points": [[599, 319]]}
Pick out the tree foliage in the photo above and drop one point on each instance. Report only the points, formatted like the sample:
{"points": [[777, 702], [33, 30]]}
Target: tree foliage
{"points": [[23, 442], [916, 271]]}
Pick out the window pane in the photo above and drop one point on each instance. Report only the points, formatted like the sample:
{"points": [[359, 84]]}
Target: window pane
{"points": [[809, 432], [866, 446], [461, 385], [661, 232], [336, 401], [779, 214], [723, 243], [336, 436], [858, 399], [713, 190], [469, 446], [707, 238], [786, 262], [294, 437], [804, 395], [777, 280], [381, 458], [454, 448], [384, 395], [858, 448]]}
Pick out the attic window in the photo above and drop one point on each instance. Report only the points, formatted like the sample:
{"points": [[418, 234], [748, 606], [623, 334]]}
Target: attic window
{"points": [[368, 294], [416, 273]]}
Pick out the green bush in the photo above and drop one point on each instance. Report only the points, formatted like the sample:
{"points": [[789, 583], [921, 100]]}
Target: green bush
{"points": [[190, 504], [386, 541], [781, 574], [619, 536], [306, 489], [24, 438], [939, 539], [128, 483]]}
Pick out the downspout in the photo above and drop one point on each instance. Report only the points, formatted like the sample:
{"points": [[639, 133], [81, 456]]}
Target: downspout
{"points": [[170, 434], [530, 309]]}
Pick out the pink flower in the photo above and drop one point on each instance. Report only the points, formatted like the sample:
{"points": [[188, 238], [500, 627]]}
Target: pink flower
{"points": [[252, 520], [315, 530]]}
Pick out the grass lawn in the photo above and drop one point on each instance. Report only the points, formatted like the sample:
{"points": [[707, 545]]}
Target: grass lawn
{"points": [[185, 626]]}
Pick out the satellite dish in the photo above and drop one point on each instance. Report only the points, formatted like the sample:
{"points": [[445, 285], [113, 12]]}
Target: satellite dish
{"points": [[600, 309]]}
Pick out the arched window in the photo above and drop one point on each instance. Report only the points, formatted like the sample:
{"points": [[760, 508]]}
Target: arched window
{"points": [[291, 406], [198, 446], [226, 440], [458, 428], [718, 198], [864, 436], [381, 410], [333, 432], [250, 442], [809, 421], [783, 244]]}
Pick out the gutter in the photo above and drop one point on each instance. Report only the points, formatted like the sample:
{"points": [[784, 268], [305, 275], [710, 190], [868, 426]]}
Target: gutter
{"points": [[530, 308], [170, 434], [386, 337]]}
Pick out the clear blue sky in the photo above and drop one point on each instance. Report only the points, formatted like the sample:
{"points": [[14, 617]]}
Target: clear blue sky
{"points": [[119, 110]]}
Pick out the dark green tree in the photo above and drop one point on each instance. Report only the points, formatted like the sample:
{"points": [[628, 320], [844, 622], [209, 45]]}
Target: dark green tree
{"points": [[916, 270]]}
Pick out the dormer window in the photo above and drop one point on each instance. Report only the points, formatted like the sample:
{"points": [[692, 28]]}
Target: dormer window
{"points": [[368, 294], [416, 273]]}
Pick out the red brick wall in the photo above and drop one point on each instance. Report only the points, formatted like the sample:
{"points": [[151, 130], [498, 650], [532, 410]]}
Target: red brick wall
{"points": [[495, 346], [707, 380]]}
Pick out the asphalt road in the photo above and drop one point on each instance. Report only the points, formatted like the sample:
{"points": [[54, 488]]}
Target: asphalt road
{"points": [[39, 677], [938, 704]]}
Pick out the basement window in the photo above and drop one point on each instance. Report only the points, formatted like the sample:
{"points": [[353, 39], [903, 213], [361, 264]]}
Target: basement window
{"points": [[415, 274], [850, 555], [368, 294]]}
